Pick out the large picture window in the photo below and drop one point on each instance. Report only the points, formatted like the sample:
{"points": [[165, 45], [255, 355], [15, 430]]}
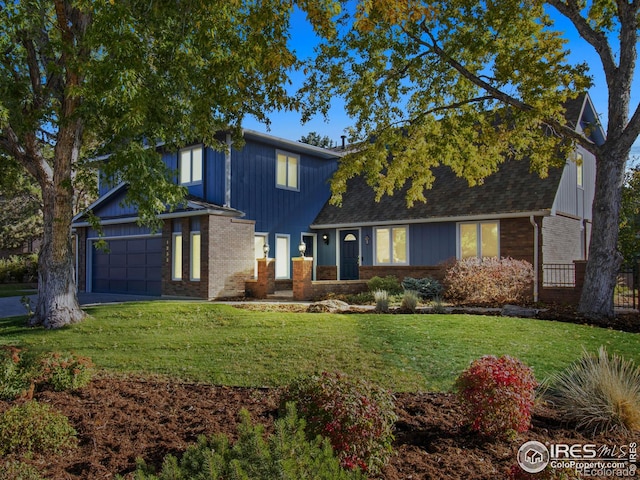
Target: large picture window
{"points": [[479, 239], [287, 170], [391, 245], [190, 165]]}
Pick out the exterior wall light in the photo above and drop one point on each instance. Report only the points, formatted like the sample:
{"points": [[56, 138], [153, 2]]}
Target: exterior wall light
{"points": [[265, 249], [325, 238], [302, 248]]}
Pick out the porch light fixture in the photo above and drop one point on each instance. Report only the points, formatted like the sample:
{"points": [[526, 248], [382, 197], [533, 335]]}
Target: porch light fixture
{"points": [[265, 249], [325, 238], [302, 248], [367, 239]]}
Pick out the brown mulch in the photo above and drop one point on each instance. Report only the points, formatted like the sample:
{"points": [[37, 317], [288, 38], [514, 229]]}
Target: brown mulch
{"points": [[118, 420]]}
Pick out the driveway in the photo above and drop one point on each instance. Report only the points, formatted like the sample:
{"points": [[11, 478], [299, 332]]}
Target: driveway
{"points": [[12, 306]]}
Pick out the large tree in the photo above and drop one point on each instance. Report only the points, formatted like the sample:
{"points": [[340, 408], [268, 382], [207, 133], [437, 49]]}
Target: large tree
{"points": [[127, 75], [468, 84]]}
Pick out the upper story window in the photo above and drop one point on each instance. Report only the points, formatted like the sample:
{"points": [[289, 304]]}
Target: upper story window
{"points": [[478, 239], [287, 170], [579, 170], [190, 165], [391, 245]]}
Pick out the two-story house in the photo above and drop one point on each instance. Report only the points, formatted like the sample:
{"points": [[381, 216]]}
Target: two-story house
{"points": [[275, 192], [266, 193]]}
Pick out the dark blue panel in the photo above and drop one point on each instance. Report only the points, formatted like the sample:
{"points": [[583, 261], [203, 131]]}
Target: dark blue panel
{"points": [[432, 243]]}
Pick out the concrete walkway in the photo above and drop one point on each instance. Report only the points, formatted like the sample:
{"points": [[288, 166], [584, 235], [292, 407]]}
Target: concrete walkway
{"points": [[12, 306]]}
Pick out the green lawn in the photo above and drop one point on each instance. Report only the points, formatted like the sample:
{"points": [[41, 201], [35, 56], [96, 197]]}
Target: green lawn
{"points": [[220, 344]]}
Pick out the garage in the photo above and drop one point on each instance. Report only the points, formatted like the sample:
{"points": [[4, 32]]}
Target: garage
{"points": [[131, 266]]}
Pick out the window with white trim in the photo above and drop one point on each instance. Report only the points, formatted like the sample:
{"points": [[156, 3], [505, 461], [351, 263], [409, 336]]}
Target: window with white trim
{"points": [[190, 165], [391, 245], [176, 263], [479, 239], [579, 170], [287, 170], [283, 256], [195, 254]]}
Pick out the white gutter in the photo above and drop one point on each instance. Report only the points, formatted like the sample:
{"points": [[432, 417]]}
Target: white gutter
{"points": [[536, 275], [459, 218]]}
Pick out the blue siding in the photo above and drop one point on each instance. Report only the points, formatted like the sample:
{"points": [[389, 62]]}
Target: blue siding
{"points": [[432, 243], [275, 210], [327, 253], [115, 208]]}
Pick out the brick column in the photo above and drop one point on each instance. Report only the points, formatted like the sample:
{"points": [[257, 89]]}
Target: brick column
{"points": [[302, 277], [266, 282]]}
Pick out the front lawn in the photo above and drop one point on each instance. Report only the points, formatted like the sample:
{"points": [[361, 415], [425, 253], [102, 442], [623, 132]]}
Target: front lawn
{"points": [[220, 344]]}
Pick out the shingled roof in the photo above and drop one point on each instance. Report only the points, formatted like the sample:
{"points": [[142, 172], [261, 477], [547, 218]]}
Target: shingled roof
{"points": [[513, 190]]}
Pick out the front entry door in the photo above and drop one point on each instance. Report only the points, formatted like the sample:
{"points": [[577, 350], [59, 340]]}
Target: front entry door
{"points": [[349, 255]]}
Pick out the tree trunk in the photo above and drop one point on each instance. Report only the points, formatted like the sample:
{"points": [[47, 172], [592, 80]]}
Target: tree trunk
{"points": [[57, 295], [604, 260]]}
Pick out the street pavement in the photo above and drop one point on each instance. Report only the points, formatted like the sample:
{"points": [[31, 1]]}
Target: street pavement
{"points": [[12, 306]]}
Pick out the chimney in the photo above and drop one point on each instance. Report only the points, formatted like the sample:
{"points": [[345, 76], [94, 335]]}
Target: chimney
{"points": [[344, 139]]}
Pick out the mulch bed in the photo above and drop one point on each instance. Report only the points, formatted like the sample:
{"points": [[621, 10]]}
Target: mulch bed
{"points": [[120, 419]]}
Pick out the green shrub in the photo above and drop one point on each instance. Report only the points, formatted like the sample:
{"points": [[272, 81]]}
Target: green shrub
{"points": [[363, 298], [17, 373], [381, 298], [15, 470], [357, 417], [19, 268], [285, 455], [427, 288], [35, 428], [410, 301], [389, 283], [66, 371], [598, 393], [497, 395], [488, 280]]}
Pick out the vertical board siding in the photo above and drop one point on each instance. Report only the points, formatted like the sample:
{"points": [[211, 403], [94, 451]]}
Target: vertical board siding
{"points": [[571, 199], [432, 243]]}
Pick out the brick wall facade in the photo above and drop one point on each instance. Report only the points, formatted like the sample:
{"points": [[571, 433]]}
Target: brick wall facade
{"points": [[563, 239], [367, 272], [326, 272], [227, 258]]}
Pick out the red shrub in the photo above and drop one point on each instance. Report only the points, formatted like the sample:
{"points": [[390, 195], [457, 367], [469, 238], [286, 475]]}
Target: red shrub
{"points": [[497, 395]]}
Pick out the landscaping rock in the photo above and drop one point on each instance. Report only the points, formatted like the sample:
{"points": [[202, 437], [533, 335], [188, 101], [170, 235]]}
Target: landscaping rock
{"points": [[329, 306], [516, 311]]}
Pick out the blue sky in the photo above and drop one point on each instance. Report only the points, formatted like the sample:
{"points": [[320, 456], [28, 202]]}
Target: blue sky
{"points": [[288, 125]]}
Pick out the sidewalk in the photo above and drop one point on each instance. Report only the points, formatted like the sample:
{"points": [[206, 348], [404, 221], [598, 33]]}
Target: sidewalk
{"points": [[12, 306]]}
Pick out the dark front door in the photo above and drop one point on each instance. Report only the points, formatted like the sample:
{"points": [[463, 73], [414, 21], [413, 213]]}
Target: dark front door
{"points": [[349, 255]]}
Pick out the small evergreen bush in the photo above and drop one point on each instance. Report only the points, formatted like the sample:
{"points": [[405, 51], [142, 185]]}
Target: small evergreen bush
{"points": [[66, 371], [497, 395], [15, 470], [488, 280], [381, 298], [35, 428], [285, 455], [410, 301], [389, 283], [357, 417], [427, 288], [599, 393]]}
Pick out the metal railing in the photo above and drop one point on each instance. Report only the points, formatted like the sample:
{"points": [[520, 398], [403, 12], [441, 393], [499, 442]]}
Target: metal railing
{"points": [[625, 294], [558, 275]]}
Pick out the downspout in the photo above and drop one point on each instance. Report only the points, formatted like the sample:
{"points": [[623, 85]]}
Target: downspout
{"points": [[227, 173], [535, 258]]}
